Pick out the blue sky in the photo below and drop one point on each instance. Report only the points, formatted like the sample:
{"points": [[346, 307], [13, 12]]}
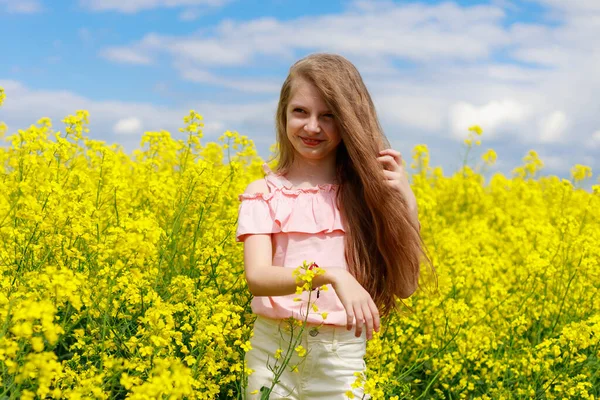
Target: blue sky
{"points": [[523, 70]]}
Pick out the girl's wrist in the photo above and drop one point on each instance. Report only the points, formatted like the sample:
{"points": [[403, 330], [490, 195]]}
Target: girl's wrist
{"points": [[329, 277], [317, 280]]}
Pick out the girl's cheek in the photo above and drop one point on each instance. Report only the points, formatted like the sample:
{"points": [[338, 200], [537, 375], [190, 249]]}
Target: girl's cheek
{"points": [[330, 126], [294, 123]]}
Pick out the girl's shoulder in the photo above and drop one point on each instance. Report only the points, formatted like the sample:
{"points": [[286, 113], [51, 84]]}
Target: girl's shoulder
{"points": [[259, 186]]}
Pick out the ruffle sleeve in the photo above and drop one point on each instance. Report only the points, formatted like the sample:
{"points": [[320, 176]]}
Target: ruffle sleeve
{"points": [[254, 217], [310, 210]]}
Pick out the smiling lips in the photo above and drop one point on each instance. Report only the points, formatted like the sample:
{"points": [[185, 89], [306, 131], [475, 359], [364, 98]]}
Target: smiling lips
{"points": [[311, 142]]}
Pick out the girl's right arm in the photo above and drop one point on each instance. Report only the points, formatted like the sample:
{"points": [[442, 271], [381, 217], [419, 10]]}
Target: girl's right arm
{"points": [[265, 279]]}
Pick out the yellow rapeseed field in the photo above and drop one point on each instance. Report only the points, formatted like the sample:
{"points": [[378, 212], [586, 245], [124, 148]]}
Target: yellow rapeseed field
{"points": [[120, 275]]}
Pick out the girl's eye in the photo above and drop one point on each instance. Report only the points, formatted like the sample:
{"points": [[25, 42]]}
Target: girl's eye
{"points": [[328, 115], [298, 110]]}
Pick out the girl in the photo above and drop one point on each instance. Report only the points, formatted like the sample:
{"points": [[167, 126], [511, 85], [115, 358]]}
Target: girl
{"points": [[339, 197]]}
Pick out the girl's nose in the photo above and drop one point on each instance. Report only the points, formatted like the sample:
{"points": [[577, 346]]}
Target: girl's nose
{"points": [[312, 125]]}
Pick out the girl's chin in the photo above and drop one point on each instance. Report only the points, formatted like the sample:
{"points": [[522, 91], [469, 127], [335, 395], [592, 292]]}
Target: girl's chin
{"points": [[313, 154]]}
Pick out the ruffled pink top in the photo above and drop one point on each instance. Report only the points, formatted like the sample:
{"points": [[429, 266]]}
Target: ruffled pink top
{"points": [[305, 225]]}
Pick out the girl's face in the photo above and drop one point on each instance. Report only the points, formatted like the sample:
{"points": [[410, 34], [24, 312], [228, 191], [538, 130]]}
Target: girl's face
{"points": [[311, 127]]}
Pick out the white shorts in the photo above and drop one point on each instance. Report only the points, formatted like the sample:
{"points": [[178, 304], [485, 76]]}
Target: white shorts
{"points": [[334, 354]]}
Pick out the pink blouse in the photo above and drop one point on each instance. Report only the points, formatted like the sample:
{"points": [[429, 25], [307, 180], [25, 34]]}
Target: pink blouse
{"points": [[305, 224]]}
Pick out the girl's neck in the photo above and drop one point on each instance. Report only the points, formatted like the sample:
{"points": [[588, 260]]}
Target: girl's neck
{"points": [[317, 172]]}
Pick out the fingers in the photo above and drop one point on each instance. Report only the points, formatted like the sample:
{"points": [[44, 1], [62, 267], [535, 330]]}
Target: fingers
{"points": [[358, 313], [349, 317], [368, 320], [375, 314], [364, 315], [390, 174], [362, 311], [389, 162], [394, 153], [354, 313]]}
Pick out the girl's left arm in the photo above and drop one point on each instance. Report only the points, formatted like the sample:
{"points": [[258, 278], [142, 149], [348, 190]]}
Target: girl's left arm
{"points": [[396, 177]]}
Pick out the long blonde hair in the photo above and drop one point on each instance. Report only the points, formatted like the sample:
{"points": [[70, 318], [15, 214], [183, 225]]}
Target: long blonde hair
{"points": [[382, 248]]}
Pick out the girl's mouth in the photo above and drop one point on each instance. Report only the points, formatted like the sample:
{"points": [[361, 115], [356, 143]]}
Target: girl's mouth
{"points": [[310, 142]]}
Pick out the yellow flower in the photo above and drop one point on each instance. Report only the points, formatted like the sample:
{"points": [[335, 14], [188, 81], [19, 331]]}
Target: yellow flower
{"points": [[37, 343], [278, 354], [246, 346], [489, 157], [477, 129], [580, 172], [300, 350]]}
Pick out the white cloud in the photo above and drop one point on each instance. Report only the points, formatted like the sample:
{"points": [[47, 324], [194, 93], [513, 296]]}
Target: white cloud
{"points": [[553, 127], [128, 126], [247, 85], [372, 5], [126, 56], [456, 81], [208, 52], [548, 56], [414, 31], [190, 14], [24, 106], [134, 6], [432, 69], [595, 139], [21, 6], [423, 112], [493, 117], [588, 160], [513, 73], [506, 5], [572, 6]]}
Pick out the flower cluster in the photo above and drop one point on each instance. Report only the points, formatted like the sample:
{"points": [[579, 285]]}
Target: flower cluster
{"points": [[292, 334], [120, 275], [304, 277]]}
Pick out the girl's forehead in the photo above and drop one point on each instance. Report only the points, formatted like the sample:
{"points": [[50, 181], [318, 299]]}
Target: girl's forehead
{"points": [[305, 92]]}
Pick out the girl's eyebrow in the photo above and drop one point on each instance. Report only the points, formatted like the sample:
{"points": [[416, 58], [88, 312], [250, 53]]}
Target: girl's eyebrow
{"points": [[296, 105]]}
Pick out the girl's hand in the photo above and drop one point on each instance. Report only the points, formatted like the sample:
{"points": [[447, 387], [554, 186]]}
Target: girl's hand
{"points": [[395, 175], [356, 300]]}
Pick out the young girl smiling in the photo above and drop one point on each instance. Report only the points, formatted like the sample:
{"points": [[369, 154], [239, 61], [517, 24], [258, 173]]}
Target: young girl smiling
{"points": [[339, 197]]}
